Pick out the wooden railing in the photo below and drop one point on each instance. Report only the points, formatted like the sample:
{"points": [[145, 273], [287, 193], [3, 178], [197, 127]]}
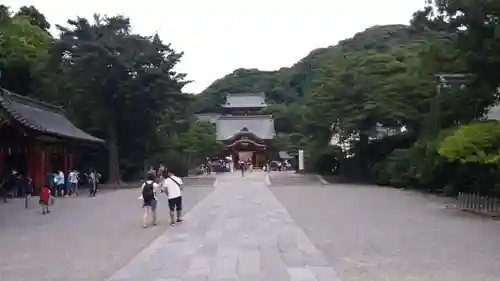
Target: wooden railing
{"points": [[480, 204]]}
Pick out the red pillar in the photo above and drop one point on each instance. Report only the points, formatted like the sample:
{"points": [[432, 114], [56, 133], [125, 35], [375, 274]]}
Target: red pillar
{"points": [[67, 161], [71, 161], [31, 154], [2, 159], [37, 167]]}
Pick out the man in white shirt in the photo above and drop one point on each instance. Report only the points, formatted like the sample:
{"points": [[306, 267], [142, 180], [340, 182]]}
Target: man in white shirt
{"points": [[59, 182], [73, 182], [173, 187]]}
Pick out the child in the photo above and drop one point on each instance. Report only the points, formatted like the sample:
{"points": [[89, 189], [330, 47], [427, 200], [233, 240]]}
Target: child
{"points": [[44, 200]]}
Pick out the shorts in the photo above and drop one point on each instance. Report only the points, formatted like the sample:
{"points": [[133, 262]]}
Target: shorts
{"points": [[175, 204], [151, 203], [60, 186], [44, 202]]}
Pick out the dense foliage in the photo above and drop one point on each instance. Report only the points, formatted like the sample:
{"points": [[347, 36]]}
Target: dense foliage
{"points": [[115, 84], [378, 95]]}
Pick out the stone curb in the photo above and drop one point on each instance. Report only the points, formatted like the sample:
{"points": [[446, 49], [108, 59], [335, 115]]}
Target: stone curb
{"points": [[322, 180], [268, 180]]}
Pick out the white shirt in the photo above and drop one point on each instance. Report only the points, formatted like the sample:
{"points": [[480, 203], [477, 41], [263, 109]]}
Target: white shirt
{"points": [[73, 177], [94, 177], [59, 179], [155, 188], [173, 189]]}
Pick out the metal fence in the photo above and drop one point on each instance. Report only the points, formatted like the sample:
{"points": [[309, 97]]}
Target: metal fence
{"points": [[477, 203]]}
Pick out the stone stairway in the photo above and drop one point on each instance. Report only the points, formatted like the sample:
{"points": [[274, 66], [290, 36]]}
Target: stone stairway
{"points": [[292, 179], [200, 181]]}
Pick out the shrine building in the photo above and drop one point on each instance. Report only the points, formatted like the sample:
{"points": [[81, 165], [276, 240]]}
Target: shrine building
{"points": [[242, 131], [37, 138]]}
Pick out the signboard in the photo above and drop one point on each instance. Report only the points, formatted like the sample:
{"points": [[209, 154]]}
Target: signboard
{"points": [[301, 160]]}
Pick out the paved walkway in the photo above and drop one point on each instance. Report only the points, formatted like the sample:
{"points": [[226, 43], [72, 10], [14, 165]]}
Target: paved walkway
{"points": [[83, 238], [239, 232]]}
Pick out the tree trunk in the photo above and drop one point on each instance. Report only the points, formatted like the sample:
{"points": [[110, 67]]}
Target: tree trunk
{"points": [[146, 162], [363, 158], [114, 165]]}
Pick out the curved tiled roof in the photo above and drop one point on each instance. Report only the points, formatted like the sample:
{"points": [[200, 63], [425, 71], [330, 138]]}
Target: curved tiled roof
{"points": [[260, 125], [284, 155], [41, 117], [245, 100]]}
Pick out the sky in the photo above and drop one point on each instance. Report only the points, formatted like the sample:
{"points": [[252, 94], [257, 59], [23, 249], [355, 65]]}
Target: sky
{"points": [[219, 36]]}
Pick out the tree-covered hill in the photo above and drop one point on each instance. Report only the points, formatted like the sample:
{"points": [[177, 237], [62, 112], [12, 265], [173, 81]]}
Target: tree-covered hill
{"points": [[292, 84]]}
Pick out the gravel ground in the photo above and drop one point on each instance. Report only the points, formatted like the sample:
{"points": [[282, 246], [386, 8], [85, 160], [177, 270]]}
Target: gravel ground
{"points": [[83, 238], [372, 233]]}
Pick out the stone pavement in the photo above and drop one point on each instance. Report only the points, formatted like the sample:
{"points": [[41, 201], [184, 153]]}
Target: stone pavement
{"points": [[238, 232], [371, 233], [83, 239]]}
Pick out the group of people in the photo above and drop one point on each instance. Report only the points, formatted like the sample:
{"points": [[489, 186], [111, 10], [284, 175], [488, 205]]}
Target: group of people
{"points": [[57, 185], [162, 181], [283, 165], [15, 183]]}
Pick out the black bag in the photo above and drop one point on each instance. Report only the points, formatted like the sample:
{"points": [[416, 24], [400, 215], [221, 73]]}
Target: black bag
{"points": [[148, 192], [175, 182]]}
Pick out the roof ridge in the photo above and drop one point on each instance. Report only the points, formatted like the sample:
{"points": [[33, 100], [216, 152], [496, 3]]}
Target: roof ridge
{"points": [[31, 101], [236, 117], [246, 93]]}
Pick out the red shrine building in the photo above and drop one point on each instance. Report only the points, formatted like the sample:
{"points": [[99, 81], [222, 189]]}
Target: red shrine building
{"points": [[243, 133], [36, 137]]}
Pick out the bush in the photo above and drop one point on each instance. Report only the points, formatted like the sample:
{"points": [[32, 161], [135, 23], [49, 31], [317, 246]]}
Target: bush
{"points": [[174, 161], [325, 161], [394, 170]]}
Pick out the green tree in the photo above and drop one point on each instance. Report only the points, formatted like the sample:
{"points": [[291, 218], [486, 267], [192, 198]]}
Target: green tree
{"points": [[476, 142], [197, 143], [120, 81], [474, 26], [24, 49], [34, 16]]}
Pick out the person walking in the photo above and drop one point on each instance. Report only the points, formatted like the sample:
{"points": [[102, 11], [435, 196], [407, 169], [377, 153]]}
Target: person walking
{"points": [[150, 201], [59, 182], [173, 187], [94, 182], [242, 168], [73, 182]]}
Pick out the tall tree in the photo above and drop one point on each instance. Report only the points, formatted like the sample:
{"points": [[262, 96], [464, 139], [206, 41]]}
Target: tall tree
{"points": [[123, 80], [23, 50], [34, 16]]}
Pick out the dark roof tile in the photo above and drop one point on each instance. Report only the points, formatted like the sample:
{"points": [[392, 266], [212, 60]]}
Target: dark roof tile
{"points": [[42, 117], [284, 155], [241, 100], [260, 125]]}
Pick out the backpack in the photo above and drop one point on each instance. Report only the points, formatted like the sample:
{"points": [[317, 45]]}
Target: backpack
{"points": [[148, 192]]}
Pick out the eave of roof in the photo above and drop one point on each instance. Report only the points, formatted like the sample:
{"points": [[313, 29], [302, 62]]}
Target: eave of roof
{"points": [[42, 117], [284, 155], [260, 125], [245, 100]]}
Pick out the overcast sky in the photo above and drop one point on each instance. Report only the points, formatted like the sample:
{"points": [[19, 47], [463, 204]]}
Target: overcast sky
{"points": [[218, 36]]}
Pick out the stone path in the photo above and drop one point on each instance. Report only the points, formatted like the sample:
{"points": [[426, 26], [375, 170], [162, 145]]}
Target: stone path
{"points": [[238, 232], [83, 239], [371, 233]]}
